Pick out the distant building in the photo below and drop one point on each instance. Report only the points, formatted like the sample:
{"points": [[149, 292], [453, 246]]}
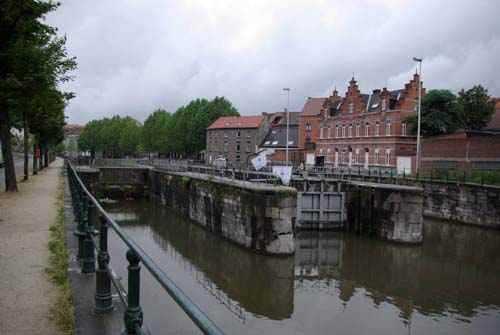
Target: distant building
{"points": [[235, 138], [309, 127], [275, 141], [466, 150], [368, 130], [71, 133]]}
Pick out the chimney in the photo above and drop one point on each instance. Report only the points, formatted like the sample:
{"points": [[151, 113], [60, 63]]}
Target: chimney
{"points": [[377, 91]]}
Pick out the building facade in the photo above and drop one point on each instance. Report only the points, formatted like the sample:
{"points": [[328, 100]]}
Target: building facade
{"points": [[235, 138], [369, 130]]}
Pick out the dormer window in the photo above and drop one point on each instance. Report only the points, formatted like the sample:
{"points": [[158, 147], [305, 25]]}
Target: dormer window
{"points": [[383, 104]]}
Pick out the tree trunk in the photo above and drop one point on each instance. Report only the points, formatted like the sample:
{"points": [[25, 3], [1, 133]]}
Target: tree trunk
{"points": [[40, 161], [26, 144], [35, 167], [46, 156], [10, 172]]}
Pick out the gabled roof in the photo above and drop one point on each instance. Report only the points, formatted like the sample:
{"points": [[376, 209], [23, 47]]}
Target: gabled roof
{"points": [[312, 107], [277, 136], [73, 129], [235, 122]]}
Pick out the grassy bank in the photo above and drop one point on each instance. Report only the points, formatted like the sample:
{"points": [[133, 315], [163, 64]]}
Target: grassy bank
{"points": [[63, 311]]}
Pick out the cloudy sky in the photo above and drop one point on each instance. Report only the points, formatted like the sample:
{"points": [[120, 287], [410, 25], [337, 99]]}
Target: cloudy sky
{"points": [[138, 55]]}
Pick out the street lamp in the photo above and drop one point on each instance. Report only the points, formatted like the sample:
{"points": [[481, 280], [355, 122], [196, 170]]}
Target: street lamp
{"points": [[419, 60], [287, 122]]}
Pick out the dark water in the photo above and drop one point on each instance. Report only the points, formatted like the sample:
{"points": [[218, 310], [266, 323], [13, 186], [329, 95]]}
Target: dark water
{"points": [[336, 283]]}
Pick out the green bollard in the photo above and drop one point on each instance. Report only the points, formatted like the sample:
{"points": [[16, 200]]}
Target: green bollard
{"points": [[102, 297], [88, 264], [133, 316]]}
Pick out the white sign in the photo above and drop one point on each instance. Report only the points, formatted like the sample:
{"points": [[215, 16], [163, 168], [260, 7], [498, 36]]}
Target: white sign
{"points": [[284, 173], [260, 161]]}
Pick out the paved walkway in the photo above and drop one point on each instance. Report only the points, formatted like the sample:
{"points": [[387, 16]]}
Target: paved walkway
{"points": [[26, 293]]}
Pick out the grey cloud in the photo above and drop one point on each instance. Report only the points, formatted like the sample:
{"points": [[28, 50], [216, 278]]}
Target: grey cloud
{"points": [[135, 56]]}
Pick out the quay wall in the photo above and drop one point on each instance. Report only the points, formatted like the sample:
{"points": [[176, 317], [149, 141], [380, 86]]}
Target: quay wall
{"points": [[258, 217]]}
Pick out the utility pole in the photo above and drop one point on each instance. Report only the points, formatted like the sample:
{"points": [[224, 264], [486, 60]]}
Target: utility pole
{"points": [[419, 60], [287, 113]]}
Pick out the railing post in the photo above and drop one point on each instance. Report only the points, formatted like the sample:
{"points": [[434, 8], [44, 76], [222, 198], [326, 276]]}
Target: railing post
{"points": [[102, 297], [88, 265], [80, 228], [133, 314]]}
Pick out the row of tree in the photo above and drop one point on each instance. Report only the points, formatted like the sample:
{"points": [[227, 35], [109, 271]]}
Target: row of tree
{"points": [[33, 62], [181, 133], [444, 112]]}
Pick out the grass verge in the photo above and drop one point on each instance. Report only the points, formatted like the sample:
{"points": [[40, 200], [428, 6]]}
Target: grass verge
{"points": [[63, 311]]}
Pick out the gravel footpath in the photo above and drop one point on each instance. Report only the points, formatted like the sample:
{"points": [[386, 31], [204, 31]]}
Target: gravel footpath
{"points": [[26, 292]]}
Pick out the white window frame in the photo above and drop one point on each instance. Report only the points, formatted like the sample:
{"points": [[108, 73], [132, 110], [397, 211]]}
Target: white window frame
{"points": [[367, 129], [403, 129], [377, 128], [388, 126], [351, 107], [336, 131], [343, 131], [358, 126], [376, 157], [387, 156], [350, 130], [383, 104], [329, 132]]}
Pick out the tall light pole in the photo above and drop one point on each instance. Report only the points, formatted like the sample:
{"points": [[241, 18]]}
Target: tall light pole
{"points": [[287, 113], [419, 60]]}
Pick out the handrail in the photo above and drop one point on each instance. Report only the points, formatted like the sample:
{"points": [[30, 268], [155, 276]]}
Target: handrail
{"points": [[195, 314]]}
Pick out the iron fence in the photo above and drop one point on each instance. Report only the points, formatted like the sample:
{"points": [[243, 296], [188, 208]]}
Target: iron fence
{"points": [[88, 212]]}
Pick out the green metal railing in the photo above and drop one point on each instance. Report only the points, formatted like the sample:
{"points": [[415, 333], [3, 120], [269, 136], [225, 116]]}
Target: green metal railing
{"points": [[87, 210]]}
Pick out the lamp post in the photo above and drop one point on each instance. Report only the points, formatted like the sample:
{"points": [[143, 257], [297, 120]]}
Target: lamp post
{"points": [[287, 113], [419, 60]]}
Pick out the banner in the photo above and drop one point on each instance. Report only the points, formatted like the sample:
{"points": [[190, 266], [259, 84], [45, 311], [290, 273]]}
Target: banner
{"points": [[283, 172], [260, 161]]}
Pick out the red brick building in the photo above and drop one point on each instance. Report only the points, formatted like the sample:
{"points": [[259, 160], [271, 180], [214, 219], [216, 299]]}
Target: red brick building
{"points": [[309, 126], [365, 130], [465, 151]]}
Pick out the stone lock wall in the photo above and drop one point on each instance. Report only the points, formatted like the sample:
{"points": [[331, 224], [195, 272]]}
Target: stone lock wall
{"points": [[465, 203], [388, 212], [259, 217]]}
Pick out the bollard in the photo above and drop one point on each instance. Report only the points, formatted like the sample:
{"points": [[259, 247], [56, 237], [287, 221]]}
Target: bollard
{"points": [[102, 297], [88, 265], [133, 314]]}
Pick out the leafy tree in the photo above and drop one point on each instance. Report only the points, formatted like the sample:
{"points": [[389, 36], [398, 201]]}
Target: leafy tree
{"points": [[477, 107], [441, 114], [130, 136], [33, 62]]}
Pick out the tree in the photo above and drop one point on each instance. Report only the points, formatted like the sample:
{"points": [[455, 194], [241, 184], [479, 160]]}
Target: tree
{"points": [[130, 136], [33, 62], [477, 107], [441, 114]]}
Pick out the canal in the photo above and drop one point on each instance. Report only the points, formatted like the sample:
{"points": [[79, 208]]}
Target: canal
{"points": [[336, 283]]}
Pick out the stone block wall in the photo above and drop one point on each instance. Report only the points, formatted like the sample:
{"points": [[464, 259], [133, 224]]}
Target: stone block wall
{"points": [[465, 203], [388, 212], [259, 217]]}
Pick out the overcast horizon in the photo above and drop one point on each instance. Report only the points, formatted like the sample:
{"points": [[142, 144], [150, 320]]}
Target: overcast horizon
{"points": [[136, 56]]}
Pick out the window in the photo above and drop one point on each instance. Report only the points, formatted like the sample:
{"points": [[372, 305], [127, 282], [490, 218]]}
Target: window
{"points": [[328, 151], [403, 129], [290, 142], [383, 104], [238, 133], [415, 105], [249, 147], [275, 142], [249, 134], [321, 152], [238, 158], [356, 157], [342, 156], [329, 134], [350, 129], [321, 132], [308, 139], [308, 126], [225, 134], [238, 146], [343, 130], [351, 107], [387, 156], [216, 134], [336, 131], [225, 146], [377, 128], [388, 128], [367, 129], [375, 157], [357, 129], [267, 143]]}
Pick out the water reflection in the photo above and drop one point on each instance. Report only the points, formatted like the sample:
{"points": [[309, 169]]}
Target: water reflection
{"points": [[449, 281]]}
